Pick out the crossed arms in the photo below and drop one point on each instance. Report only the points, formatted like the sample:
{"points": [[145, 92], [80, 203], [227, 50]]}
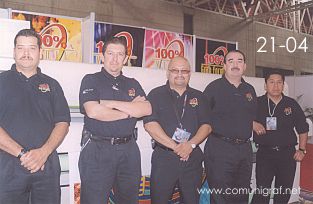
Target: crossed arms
{"points": [[112, 110]]}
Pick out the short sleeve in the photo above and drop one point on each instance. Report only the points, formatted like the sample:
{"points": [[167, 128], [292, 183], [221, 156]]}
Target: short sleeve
{"points": [[88, 91], [154, 115], [300, 121], [60, 106], [204, 110], [139, 89]]}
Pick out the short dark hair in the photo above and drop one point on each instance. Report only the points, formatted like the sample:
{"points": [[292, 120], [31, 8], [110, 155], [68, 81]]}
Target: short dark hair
{"points": [[272, 72], [244, 56], [28, 33], [115, 40]]}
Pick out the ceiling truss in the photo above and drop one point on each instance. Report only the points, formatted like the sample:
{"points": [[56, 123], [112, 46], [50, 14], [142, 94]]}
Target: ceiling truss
{"points": [[289, 14]]}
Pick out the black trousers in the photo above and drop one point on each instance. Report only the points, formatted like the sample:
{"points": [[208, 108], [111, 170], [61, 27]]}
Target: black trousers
{"points": [[278, 164], [103, 166], [228, 169], [19, 186], [167, 170]]}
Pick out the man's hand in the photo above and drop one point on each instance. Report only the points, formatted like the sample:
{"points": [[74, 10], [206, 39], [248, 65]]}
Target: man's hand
{"points": [[139, 98], [183, 150], [258, 128], [298, 156], [34, 160]]}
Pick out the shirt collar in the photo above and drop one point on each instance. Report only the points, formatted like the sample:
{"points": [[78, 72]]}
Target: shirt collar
{"points": [[14, 70], [172, 90], [109, 76], [226, 81]]}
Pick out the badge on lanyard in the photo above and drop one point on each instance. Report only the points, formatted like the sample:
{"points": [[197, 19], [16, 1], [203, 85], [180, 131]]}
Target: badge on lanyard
{"points": [[181, 135], [271, 123]]}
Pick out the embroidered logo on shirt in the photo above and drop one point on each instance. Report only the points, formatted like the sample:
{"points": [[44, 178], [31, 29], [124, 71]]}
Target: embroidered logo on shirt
{"points": [[193, 102], [87, 91], [132, 92], [44, 88], [249, 96], [287, 111]]}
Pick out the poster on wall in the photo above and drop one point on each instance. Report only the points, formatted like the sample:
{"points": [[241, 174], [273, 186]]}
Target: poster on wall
{"points": [[210, 55], [162, 46], [61, 37], [134, 38]]}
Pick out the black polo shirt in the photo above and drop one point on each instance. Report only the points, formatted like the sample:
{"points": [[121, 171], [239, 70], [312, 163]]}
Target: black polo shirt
{"points": [[289, 116], [163, 99], [104, 86], [233, 109], [30, 107]]}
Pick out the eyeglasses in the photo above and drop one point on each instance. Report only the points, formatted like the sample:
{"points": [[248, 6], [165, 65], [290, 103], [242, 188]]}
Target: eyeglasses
{"points": [[182, 71]]}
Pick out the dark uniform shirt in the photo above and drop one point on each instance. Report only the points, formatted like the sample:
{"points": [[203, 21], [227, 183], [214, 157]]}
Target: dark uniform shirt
{"points": [[289, 116], [30, 107], [104, 86], [163, 99], [233, 109]]}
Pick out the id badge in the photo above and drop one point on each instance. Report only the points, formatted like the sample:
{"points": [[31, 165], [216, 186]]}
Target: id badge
{"points": [[181, 135], [271, 123]]}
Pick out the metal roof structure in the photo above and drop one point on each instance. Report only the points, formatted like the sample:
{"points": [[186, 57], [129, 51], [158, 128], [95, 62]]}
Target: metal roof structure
{"points": [[295, 15]]}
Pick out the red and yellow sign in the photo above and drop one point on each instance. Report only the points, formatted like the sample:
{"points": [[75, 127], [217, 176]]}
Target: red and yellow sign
{"points": [[61, 37]]}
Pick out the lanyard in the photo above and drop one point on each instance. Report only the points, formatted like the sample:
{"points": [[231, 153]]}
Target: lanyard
{"points": [[179, 119], [269, 108]]}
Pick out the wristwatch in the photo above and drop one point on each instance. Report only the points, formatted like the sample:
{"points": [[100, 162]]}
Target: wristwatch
{"points": [[193, 145], [303, 150], [23, 151]]}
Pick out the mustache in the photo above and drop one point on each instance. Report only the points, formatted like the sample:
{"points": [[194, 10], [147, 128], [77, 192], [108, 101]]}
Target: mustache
{"points": [[235, 68], [26, 57], [179, 77]]}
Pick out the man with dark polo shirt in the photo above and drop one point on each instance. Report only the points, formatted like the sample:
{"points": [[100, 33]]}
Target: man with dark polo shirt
{"points": [[111, 104], [228, 151], [34, 119], [179, 122], [277, 116]]}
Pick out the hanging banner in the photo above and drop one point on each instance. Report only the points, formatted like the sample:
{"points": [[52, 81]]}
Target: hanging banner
{"points": [[161, 47], [210, 55], [61, 37], [134, 38]]}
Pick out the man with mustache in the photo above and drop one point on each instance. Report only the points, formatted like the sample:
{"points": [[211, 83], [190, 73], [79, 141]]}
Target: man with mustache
{"points": [[179, 123], [34, 119], [112, 104], [228, 151]]}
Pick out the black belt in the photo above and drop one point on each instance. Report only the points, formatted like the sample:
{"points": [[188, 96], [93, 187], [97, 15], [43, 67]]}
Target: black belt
{"points": [[231, 140], [275, 148], [112, 140]]}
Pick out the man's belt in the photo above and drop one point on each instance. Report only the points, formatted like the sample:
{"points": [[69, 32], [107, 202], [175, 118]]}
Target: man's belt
{"points": [[112, 140], [230, 140], [276, 148]]}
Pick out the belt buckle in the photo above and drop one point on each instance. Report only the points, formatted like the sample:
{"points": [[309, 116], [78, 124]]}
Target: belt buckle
{"points": [[276, 148], [112, 141], [237, 141]]}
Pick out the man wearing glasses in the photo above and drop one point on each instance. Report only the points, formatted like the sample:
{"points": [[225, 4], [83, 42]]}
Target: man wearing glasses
{"points": [[178, 123]]}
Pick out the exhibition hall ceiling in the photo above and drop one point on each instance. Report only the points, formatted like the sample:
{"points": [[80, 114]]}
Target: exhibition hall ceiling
{"points": [[290, 14]]}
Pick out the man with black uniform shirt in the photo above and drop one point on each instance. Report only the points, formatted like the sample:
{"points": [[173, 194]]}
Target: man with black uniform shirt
{"points": [[34, 119], [179, 122], [277, 116], [111, 104], [228, 151]]}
